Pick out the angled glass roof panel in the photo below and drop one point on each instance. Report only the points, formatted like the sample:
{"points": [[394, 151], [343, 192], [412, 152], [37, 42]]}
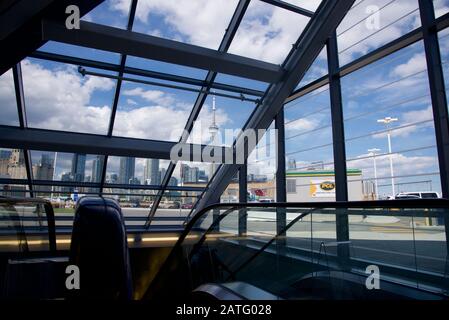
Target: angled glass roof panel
{"points": [[318, 69], [57, 97], [241, 82], [198, 22], [310, 5], [373, 23], [135, 171], [80, 52], [146, 64], [113, 13], [267, 32], [230, 117], [441, 7], [150, 112], [8, 103]]}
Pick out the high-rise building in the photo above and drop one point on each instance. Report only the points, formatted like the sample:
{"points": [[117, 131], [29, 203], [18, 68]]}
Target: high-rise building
{"points": [[16, 165], [127, 169], [151, 173], [96, 169], [173, 181], [189, 174], [43, 170], [78, 167]]}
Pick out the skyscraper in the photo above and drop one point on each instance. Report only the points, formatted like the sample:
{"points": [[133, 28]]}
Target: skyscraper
{"points": [[78, 167], [16, 165], [96, 169], [151, 172], [43, 170], [127, 168]]}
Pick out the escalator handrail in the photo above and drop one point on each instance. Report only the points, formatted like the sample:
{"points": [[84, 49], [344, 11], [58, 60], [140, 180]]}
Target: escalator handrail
{"points": [[51, 225]]}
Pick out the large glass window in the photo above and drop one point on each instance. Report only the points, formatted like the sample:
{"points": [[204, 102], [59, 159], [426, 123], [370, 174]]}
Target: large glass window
{"points": [[267, 32], [309, 148], [200, 22], [372, 23], [390, 136], [150, 112]]}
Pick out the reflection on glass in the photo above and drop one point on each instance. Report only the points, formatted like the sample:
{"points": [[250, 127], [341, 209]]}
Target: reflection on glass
{"points": [[8, 111]]}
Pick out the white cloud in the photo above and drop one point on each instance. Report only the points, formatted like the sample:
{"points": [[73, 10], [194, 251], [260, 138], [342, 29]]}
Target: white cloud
{"points": [[155, 96], [200, 22], [60, 99], [415, 64]]}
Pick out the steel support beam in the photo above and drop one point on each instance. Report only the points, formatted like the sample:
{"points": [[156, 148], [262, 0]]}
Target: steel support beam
{"points": [[112, 39], [338, 137], [290, 7], [21, 111], [321, 26], [21, 26], [438, 96], [143, 73], [60, 141], [281, 182], [243, 196], [200, 100]]}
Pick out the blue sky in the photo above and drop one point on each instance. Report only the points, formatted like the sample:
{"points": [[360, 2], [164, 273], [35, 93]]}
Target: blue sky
{"points": [[58, 98]]}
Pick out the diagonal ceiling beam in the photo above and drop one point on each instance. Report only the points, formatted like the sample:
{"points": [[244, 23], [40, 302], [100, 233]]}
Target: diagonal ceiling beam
{"points": [[210, 78], [309, 45], [107, 38]]}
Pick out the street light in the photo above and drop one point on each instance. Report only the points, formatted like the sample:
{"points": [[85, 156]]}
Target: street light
{"points": [[387, 121], [373, 153]]}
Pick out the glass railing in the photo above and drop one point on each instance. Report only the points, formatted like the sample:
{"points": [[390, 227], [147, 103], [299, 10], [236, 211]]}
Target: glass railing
{"points": [[406, 240]]}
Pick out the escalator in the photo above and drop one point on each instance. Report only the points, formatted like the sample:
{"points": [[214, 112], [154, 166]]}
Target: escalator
{"points": [[304, 259], [267, 251]]}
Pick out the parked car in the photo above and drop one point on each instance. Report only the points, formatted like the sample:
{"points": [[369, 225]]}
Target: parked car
{"points": [[187, 206]]}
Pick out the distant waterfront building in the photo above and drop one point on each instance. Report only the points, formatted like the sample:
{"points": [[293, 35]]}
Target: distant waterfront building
{"points": [[127, 170], [189, 174], [78, 167], [96, 169], [173, 182], [16, 165], [151, 172], [43, 170]]}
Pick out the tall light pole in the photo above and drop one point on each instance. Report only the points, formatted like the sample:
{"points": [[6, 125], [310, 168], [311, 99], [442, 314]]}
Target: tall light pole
{"points": [[387, 121], [373, 152]]}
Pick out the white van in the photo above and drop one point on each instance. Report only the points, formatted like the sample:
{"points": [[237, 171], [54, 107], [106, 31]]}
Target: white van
{"points": [[421, 195]]}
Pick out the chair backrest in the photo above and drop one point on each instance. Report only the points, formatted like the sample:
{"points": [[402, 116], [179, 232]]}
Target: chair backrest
{"points": [[99, 248]]}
